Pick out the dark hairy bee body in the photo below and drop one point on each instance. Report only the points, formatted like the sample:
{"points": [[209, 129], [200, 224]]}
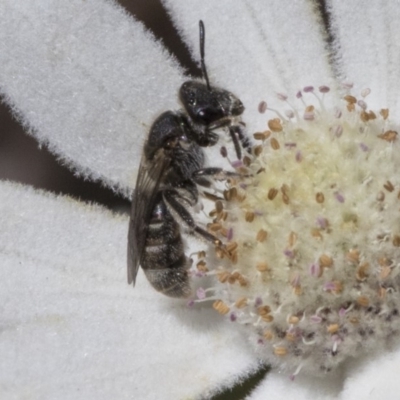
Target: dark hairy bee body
{"points": [[171, 167], [170, 159]]}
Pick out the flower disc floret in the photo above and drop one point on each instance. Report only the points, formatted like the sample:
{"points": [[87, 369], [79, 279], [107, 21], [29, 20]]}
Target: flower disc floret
{"points": [[312, 231]]}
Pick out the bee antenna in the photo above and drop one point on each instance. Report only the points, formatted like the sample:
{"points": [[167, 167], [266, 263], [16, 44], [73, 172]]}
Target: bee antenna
{"points": [[203, 64]]}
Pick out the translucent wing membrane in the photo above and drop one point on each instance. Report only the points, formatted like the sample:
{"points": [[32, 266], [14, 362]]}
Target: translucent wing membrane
{"points": [[147, 185]]}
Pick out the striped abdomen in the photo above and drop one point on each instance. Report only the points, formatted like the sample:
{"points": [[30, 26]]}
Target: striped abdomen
{"points": [[163, 259]]}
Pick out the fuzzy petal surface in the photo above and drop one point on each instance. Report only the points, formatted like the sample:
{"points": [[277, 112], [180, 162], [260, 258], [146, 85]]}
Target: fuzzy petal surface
{"points": [[71, 327], [367, 45], [85, 78]]}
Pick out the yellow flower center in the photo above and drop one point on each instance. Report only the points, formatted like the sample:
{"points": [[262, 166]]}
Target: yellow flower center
{"points": [[312, 233]]}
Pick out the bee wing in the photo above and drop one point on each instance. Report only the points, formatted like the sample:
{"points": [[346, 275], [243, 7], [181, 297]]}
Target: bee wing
{"points": [[143, 202]]}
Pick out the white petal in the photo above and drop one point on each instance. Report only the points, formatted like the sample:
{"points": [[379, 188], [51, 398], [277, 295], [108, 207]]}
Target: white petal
{"points": [[279, 387], [86, 77], [374, 378], [257, 48], [368, 48], [70, 325]]}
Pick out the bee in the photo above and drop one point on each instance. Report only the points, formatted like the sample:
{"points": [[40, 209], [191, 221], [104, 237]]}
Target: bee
{"points": [[171, 167]]}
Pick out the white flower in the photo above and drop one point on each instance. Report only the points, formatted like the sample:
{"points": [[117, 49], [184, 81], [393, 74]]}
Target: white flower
{"points": [[88, 81]]}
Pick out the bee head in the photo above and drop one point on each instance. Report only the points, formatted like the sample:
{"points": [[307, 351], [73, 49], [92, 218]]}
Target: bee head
{"points": [[206, 105]]}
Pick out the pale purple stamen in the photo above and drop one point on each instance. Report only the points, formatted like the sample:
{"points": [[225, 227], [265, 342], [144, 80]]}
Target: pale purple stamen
{"points": [[364, 147], [262, 107], [299, 156], [201, 293], [233, 317], [229, 234], [338, 112], [190, 303], [337, 130], [324, 89], [288, 253], [290, 145], [316, 319], [315, 270], [329, 285], [309, 116], [223, 151], [237, 164], [347, 85], [362, 104], [342, 312], [308, 89], [296, 280], [281, 96], [339, 197], [365, 92], [299, 95], [289, 114], [292, 330], [322, 222], [258, 301], [243, 185]]}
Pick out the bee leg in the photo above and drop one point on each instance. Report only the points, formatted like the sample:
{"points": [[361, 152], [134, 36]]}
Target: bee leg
{"points": [[238, 134], [181, 214], [235, 139], [212, 172], [202, 176]]}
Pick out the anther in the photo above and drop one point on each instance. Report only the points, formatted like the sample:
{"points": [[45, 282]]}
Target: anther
{"points": [[261, 235], [363, 301], [275, 144], [262, 135], [241, 302], [221, 307], [262, 266], [262, 107], [389, 186], [280, 351], [272, 193], [249, 217], [384, 113], [319, 197], [332, 328], [257, 150], [389, 136], [396, 241], [325, 261], [275, 125]]}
